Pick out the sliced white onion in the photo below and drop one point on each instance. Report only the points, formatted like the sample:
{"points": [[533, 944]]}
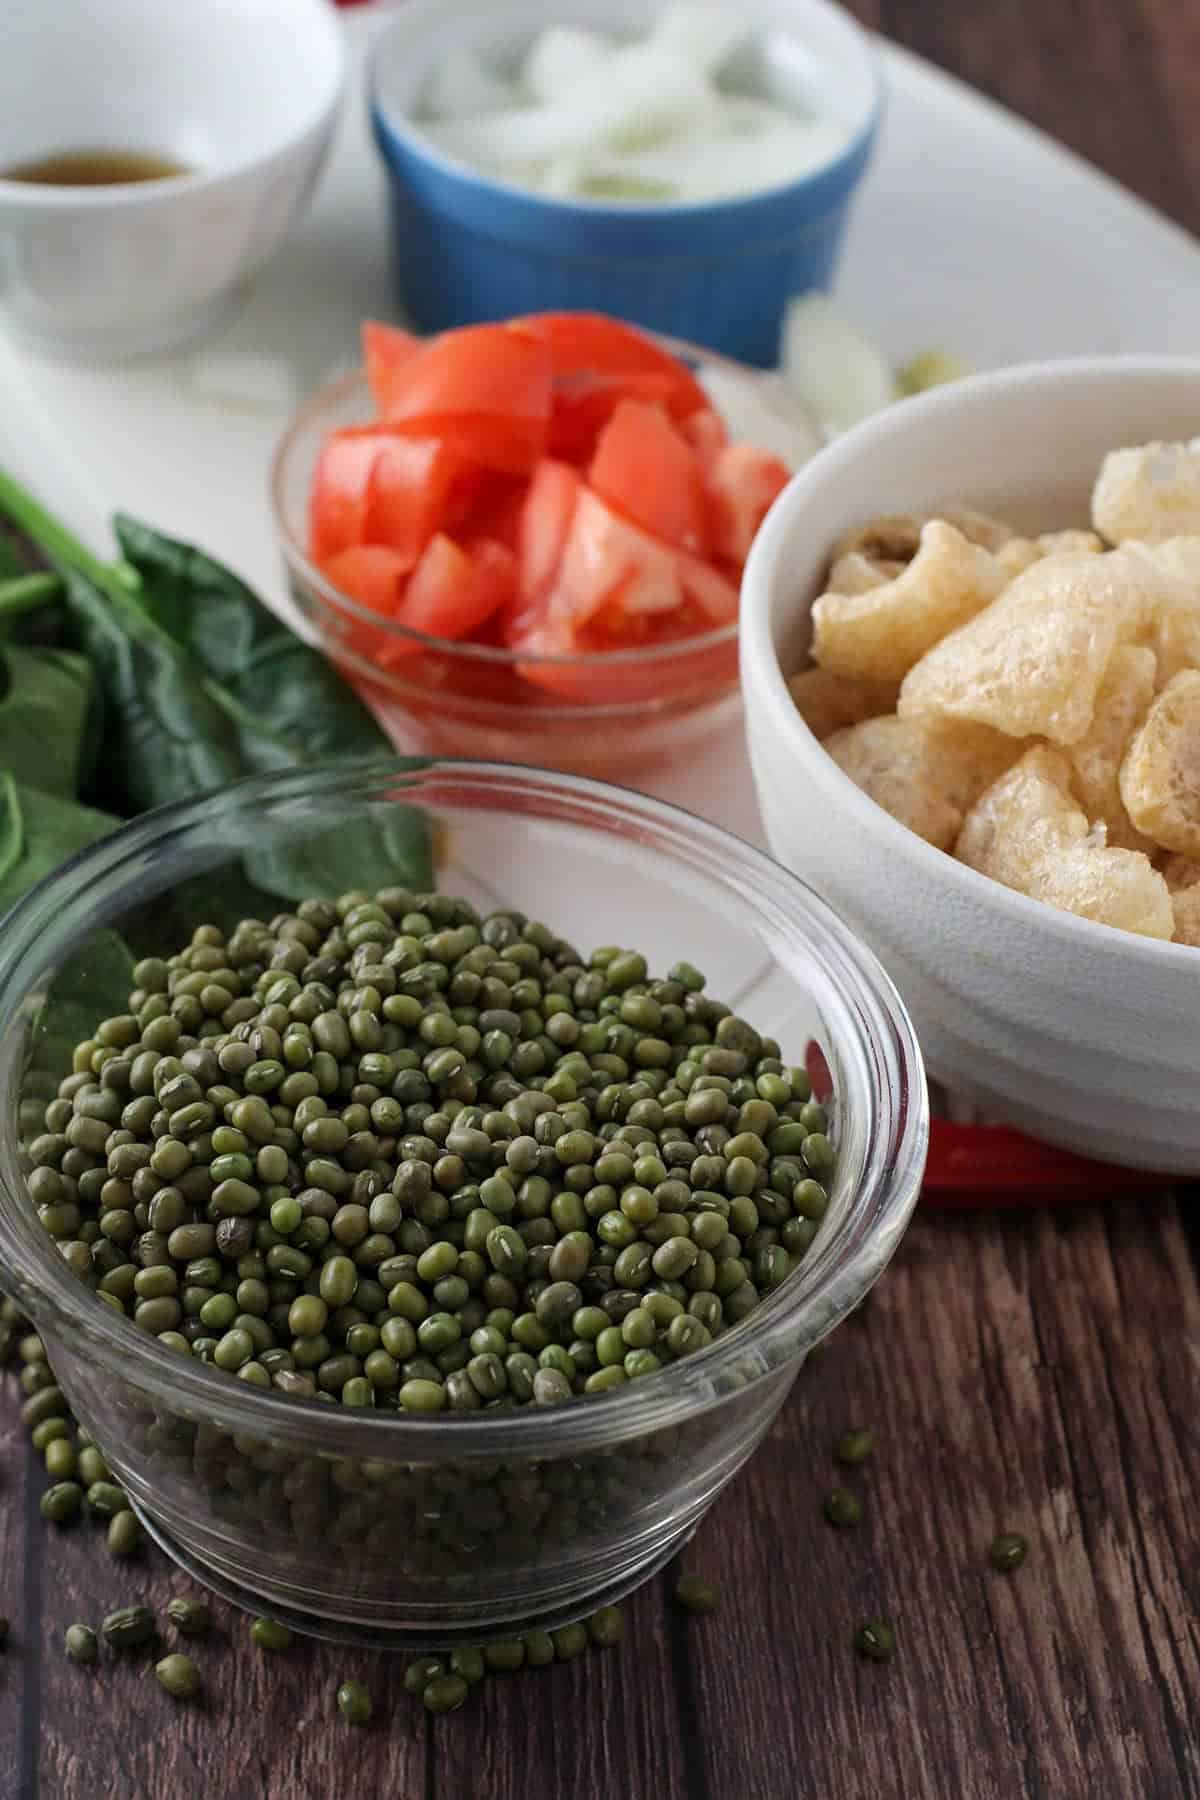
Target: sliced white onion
{"points": [[599, 119], [563, 176], [640, 88], [462, 87], [707, 34], [838, 373], [761, 411], [583, 176], [710, 166], [560, 56]]}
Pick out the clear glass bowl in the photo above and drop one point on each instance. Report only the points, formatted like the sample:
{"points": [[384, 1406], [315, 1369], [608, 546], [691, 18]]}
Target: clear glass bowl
{"points": [[385, 1527], [659, 705]]}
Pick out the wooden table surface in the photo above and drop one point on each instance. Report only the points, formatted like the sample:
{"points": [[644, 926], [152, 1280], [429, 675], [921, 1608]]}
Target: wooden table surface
{"points": [[1032, 1372]]}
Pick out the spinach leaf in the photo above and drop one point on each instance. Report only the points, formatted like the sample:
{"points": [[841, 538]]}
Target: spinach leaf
{"points": [[264, 670], [46, 707], [174, 731], [260, 664], [12, 562], [39, 831], [21, 594], [220, 897], [192, 666], [12, 829], [93, 984], [390, 848], [166, 737], [31, 602]]}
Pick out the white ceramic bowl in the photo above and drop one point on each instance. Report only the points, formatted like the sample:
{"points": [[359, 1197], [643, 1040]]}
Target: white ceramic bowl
{"points": [[244, 95], [1077, 1033]]}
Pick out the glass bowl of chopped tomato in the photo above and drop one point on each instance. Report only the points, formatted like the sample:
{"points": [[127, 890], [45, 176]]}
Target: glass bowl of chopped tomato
{"points": [[525, 540]]}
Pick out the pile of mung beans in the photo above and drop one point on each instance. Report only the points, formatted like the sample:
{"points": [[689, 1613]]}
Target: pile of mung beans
{"points": [[385, 1152]]}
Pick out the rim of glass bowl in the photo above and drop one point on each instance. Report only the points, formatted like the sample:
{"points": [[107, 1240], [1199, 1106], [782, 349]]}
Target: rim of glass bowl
{"points": [[340, 390], [885, 1084]]}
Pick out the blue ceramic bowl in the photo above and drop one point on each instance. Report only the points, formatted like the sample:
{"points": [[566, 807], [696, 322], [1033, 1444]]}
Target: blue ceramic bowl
{"points": [[470, 248]]}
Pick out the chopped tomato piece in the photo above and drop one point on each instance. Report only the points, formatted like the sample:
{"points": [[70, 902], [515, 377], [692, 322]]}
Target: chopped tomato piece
{"points": [[645, 470], [546, 517], [545, 523], [623, 679], [494, 633], [615, 628], [591, 344], [714, 595], [370, 574], [606, 557], [409, 493], [485, 391], [584, 403], [705, 432], [743, 484], [488, 506], [453, 591], [385, 349], [496, 573], [340, 496]]}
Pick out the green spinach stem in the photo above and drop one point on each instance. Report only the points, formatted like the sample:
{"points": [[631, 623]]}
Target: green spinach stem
{"points": [[25, 593], [59, 544]]}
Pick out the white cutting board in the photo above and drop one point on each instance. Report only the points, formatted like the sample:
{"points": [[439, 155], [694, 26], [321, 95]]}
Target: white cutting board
{"points": [[973, 233]]}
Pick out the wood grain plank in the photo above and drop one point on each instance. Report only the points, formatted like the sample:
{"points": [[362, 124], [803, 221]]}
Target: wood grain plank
{"points": [[608, 1723], [1175, 47], [19, 1593], [267, 1724], [1109, 79], [868, 12], [1021, 1375]]}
